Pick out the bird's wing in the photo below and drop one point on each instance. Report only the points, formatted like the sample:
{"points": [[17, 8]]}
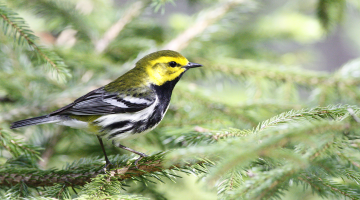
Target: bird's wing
{"points": [[100, 102]]}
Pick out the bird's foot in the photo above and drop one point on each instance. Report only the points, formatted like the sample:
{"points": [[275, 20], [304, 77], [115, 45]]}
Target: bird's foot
{"points": [[142, 155], [108, 165]]}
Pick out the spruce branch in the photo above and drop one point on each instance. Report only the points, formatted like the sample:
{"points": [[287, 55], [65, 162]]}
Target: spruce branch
{"points": [[347, 154], [314, 132], [279, 138], [78, 174], [16, 27], [230, 181], [63, 12], [337, 113], [269, 183], [17, 148], [320, 184]]}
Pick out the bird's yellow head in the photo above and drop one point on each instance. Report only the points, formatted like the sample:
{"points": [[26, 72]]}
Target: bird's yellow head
{"points": [[164, 66]]}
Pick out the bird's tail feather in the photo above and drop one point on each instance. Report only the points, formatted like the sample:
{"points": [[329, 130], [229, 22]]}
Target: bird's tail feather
{"points": [[36, 120]]}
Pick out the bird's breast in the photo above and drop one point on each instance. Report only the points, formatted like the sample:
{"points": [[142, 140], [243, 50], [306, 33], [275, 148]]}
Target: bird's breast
{"points": [[129, 125]]}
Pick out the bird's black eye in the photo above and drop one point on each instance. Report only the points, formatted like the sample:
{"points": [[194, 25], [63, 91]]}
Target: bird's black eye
{"points": [[172, 64]]}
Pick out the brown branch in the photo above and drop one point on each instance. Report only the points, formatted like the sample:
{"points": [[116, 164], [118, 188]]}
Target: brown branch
{"points": [[38, 178]]}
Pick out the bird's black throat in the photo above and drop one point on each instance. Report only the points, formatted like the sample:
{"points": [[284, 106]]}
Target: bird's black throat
{"points": [[164, 91]]}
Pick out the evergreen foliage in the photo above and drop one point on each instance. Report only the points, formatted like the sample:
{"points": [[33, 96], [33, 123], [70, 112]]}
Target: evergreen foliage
{"points": [[15, 26], [248, 125]]}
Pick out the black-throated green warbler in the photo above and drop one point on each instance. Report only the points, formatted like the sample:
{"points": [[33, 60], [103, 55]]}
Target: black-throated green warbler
{"points": [[133, 104]]}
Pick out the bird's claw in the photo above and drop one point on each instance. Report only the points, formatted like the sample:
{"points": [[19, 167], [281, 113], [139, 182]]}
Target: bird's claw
{"points": [[107, 165], [137, 160]]}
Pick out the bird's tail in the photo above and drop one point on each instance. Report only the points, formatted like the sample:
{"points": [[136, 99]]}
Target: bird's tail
{"points": [[36, 120]]}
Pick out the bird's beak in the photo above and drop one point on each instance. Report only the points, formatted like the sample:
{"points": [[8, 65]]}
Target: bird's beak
{"points": [[192, 65]]}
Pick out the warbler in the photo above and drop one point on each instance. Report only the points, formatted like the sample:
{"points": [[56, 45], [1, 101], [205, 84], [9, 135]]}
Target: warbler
{"points": [[128, 107]]}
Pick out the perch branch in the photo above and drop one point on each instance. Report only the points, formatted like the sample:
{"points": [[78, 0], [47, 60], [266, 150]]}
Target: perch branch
{"points": [[81, 175]]}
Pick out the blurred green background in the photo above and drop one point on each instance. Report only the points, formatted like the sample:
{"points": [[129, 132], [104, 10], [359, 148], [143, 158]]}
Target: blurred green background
{"points": [[260, 58]]}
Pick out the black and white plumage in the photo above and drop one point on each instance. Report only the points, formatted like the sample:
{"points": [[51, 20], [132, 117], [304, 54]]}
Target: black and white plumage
{"points": [[117, 117], [132, 105]]}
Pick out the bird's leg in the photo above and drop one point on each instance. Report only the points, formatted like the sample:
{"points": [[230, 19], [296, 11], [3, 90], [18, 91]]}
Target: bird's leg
{"points": [[142, 155], [102, 147]]}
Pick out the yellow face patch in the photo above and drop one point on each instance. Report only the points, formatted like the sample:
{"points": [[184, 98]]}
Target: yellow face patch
{"points": [[166, 59], [160, 71]]}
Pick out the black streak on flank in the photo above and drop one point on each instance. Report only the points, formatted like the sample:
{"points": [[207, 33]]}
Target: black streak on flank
{"points": [[140, 126], [116, 125], [119, 132]]}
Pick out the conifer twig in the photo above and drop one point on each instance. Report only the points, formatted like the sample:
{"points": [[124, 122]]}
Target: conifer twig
{"points": [[64, 12], [283, 173], [15, 147], [21, 32], [79, 176], [311, 182], [30, 41]]}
